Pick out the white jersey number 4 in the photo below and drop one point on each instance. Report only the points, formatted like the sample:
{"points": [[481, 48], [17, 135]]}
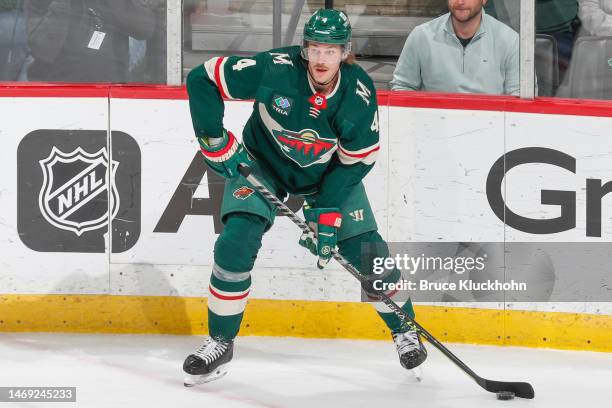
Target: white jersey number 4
{"points": [[374, 127]]}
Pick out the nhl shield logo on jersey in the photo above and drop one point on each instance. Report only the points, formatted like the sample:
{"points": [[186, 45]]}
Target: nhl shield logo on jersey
{"points": [[75, 190], [319, 103], [305, 147], [243, 192]]}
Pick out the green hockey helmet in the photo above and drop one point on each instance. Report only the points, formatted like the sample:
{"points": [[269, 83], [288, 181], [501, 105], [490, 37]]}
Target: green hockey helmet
{"points": [[329, 26]]}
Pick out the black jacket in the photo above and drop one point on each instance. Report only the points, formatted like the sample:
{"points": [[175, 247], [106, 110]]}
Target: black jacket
{"points": [[59, 32]]}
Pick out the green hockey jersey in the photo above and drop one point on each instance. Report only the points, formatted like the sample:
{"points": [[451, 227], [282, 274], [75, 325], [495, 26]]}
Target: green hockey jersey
{"points": [[308, 142]]}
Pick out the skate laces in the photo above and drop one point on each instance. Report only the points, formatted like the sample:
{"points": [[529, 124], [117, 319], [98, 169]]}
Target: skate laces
{"points": [[407, 341], [211, 350]]}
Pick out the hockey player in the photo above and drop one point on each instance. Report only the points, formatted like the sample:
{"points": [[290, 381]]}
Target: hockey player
{"points": [[314, 133]]}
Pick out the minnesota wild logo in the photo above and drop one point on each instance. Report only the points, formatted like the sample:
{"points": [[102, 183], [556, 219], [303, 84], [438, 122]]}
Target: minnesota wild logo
{"points": [[243, 192], [305, 147]]}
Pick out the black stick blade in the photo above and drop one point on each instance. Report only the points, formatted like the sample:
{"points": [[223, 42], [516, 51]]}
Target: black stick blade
{"points": [[520, 389]]}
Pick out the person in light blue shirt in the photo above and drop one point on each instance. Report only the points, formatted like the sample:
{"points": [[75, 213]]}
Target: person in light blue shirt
{"points": [[463, 51]]}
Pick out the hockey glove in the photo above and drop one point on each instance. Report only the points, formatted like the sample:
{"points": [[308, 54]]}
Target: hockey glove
{"points": [[223, 154], [325, 223]]}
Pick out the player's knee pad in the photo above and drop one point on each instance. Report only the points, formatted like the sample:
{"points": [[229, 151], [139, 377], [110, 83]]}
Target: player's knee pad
{"points": [[361, 256], [365, 252], [237, 247]]}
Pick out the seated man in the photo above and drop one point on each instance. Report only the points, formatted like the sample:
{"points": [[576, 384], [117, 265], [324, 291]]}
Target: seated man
{"points": [[464, 51]]}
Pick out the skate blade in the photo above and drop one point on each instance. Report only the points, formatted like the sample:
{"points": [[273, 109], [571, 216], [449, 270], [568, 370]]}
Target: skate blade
{"points": [[192, 380], [417, 373]]}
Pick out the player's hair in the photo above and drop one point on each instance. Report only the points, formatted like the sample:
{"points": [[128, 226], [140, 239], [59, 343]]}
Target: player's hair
{"points": [[350, 59]]}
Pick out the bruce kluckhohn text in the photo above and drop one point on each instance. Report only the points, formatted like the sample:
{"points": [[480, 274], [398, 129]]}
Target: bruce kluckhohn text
{"points": [[464, 284], [435, 264]]}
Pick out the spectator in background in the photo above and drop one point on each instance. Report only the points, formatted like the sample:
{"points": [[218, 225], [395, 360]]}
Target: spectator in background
{"points": [[559, 18], [84, 40], [148, 57], [463, 51], [191, 8], [155, 57], [14, 51], [596, 17]]}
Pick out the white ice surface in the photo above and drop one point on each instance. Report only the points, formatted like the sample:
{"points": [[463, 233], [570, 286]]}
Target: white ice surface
{"points": [[145, 371]]}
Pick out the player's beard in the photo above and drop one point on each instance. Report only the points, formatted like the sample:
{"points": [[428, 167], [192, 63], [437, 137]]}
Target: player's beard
{"points": [[474, 13], [322, 87]]}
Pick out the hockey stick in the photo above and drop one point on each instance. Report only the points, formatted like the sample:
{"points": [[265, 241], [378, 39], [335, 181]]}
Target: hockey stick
{"points": [[519, 389]]}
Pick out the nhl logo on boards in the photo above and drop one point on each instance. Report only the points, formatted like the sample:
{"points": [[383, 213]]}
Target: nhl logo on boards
{"points": [[78, 190], [72, 181], [243, 192]]}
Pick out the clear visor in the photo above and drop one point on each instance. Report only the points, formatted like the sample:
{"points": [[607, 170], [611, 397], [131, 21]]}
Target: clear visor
{"points": [[329, 55]]}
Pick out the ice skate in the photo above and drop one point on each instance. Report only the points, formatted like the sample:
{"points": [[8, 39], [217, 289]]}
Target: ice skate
{"points": [[410, 349], [208, 363]]}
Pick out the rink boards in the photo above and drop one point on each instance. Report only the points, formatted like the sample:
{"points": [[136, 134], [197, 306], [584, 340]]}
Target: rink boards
{"points": [[67, 152]]}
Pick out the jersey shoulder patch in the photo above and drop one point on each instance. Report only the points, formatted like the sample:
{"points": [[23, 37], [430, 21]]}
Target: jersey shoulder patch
{"points": [[281, 58], [359, 87], [287, 57]]}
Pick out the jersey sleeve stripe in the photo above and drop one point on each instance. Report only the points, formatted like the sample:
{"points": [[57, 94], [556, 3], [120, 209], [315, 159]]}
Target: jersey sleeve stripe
{"points": [[360, 153], [220, 78], [218, 70], [215, 68], [209, 66], [365, 156]]}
